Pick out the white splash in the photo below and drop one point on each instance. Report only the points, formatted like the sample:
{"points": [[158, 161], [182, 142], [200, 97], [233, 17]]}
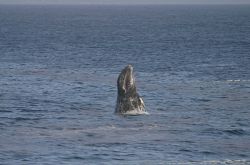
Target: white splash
{"points": [[136, 112]]}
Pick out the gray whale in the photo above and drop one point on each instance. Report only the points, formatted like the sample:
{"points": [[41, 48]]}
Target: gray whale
{"points": [[128, 100]]}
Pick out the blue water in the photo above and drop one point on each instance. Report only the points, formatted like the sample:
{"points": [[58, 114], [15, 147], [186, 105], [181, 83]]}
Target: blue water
{"points": [[58, 71]]}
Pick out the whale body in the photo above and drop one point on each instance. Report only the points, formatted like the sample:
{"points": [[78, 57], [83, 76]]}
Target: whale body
{"points": [[128, 100]]}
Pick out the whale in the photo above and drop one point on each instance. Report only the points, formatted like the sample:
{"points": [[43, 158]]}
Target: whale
{"points": [[128, 100]]}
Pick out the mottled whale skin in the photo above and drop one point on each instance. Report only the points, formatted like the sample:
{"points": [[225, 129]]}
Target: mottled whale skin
{"points": [[128, 100]]}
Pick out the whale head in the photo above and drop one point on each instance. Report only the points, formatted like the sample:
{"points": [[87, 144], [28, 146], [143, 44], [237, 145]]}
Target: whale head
{"points": [[128, 100], [126, 81]]}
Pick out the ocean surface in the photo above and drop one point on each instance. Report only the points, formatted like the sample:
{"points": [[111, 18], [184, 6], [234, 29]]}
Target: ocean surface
{"points": [[58, 72]]}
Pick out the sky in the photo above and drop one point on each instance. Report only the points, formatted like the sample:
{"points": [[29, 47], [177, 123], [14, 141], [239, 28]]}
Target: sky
{"points": [[124, 1]]}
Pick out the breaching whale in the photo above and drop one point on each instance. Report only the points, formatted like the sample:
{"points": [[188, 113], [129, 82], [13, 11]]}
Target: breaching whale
{"points": [[128, 100]]}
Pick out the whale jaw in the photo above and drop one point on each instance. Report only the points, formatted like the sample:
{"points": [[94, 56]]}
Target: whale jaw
{"points": [[128, 100]]}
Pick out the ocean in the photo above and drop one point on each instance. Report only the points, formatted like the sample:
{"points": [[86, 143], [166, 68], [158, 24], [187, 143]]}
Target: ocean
{"points": [[58, 70]]}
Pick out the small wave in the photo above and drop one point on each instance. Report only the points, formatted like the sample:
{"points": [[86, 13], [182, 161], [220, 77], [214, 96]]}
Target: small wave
{"points": [[111, 144], [212, 131], [233, 162], [5, 111], [201, 100], [185, 150], [33, 110], [2, 124], [207, 162], [24, 119], [208, 153], [74, 157], [237, 80], [235, 132]]}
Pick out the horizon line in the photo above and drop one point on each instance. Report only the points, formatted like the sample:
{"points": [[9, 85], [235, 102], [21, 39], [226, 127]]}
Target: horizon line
{"points": [[124, 4]]}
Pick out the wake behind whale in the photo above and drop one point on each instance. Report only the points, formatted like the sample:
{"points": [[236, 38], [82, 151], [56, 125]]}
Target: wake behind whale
{"points": [[128, 102]]}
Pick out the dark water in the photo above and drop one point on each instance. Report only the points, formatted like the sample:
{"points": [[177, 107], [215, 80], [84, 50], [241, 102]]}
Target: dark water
{"points": [[58, 70]]}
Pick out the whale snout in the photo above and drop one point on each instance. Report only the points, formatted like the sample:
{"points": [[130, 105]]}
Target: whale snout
{"points": [[129, 67]]}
